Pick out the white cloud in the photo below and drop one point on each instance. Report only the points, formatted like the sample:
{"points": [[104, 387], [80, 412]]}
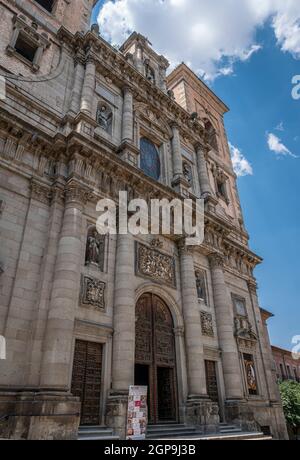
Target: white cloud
{"points": [[209, 35], [280, 126], [275, 145], [241, 165]]}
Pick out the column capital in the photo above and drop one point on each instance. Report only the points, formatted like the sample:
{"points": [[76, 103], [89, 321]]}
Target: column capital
{"points": [[216, 260], [40, 192], [252, 286], [90, 60], [77, 193], [174, 125], [127, 89], [201, 149], [183, 248], [179, 331]]}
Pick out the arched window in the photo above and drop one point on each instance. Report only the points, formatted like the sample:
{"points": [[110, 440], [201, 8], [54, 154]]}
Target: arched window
{"points": [[95, 245], [104, 117], [149, 159], [211, 135], [47, 4]]}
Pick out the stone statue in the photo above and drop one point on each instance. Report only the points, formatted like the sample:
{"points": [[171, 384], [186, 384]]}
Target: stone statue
{"points": [[200, 283], [94, 248], [187, 172], [104, 118]]}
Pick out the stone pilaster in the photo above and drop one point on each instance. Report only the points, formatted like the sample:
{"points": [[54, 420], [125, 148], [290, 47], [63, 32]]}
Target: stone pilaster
{"points": [[225, 326], [58, 342], [45, 285], [76, 90], [127, 121], [272, 391], [88, 87], [202, 171], [123, 359], [192, 325]]}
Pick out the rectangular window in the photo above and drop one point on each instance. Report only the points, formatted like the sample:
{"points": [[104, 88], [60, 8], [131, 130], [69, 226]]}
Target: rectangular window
{"points": [[25, 47], [240, 306], [46, 4], [250, 374]]}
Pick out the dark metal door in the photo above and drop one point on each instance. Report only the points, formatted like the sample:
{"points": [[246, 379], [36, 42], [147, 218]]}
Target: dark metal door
{"points": [[86, 380], [155, 348]]}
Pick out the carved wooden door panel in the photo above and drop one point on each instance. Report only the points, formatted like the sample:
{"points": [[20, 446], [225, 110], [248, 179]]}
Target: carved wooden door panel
{"points": [[155, 348], [212, 381], [86, 380]]}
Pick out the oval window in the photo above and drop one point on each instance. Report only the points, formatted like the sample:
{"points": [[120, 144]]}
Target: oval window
{"points": [[149, 159]]}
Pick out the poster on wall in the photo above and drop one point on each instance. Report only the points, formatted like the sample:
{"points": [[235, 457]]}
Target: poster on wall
{"points": [[137, 413]]}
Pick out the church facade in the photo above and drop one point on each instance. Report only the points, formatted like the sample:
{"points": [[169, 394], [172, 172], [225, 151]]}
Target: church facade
{"points": [[85, 316]]}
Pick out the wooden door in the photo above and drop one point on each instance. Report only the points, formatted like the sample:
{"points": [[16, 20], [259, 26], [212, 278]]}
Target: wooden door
{"points": [[212, 381], [155, 348], [86, 380]]}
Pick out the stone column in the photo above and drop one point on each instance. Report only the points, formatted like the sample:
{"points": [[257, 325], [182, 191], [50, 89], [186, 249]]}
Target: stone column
{"points": [[202, 171], [225, 324], [124, 316], [58, 342], [88, 88], [176, 151], [192, 325], [127, 122], [123, 356], [75, 96]]}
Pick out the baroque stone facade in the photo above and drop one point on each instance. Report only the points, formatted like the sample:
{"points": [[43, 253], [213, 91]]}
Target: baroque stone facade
{"points": [[82, 121]]}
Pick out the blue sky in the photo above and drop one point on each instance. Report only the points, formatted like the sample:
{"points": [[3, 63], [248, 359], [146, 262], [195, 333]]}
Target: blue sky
{"points": [[249, 64]]}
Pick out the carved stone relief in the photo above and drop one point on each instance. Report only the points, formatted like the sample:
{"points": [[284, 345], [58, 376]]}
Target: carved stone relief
{"points": [[207, 324], [153, 264], [92, 292]]}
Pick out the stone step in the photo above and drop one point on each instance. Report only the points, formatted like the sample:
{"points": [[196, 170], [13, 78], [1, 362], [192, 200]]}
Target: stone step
{"points": [[244, 436], [171, 431], [230, 430], [166, 425], [96, 433], [99, 438]]}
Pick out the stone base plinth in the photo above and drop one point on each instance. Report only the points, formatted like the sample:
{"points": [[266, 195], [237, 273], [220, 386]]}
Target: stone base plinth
{"points": [[116, 413], [257, 415], [240, 413], [203, 414], [39, 416]]}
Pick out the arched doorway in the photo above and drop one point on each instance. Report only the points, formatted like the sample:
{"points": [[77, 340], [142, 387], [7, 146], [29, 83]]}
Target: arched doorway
{"points": [[155, 360]]}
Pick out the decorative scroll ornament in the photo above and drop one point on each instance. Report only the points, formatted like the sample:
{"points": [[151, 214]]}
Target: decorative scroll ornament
{"points": [[207, 324], [151, 263], [92, 292], [245, 336]]}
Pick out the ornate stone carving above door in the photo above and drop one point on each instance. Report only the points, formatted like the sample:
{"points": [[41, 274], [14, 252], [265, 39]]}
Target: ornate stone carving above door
{"points": [[153, 264], [92, 292]]}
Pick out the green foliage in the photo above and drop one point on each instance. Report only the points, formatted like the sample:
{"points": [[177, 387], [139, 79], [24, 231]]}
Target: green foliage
{"points": [[290, 395]]}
